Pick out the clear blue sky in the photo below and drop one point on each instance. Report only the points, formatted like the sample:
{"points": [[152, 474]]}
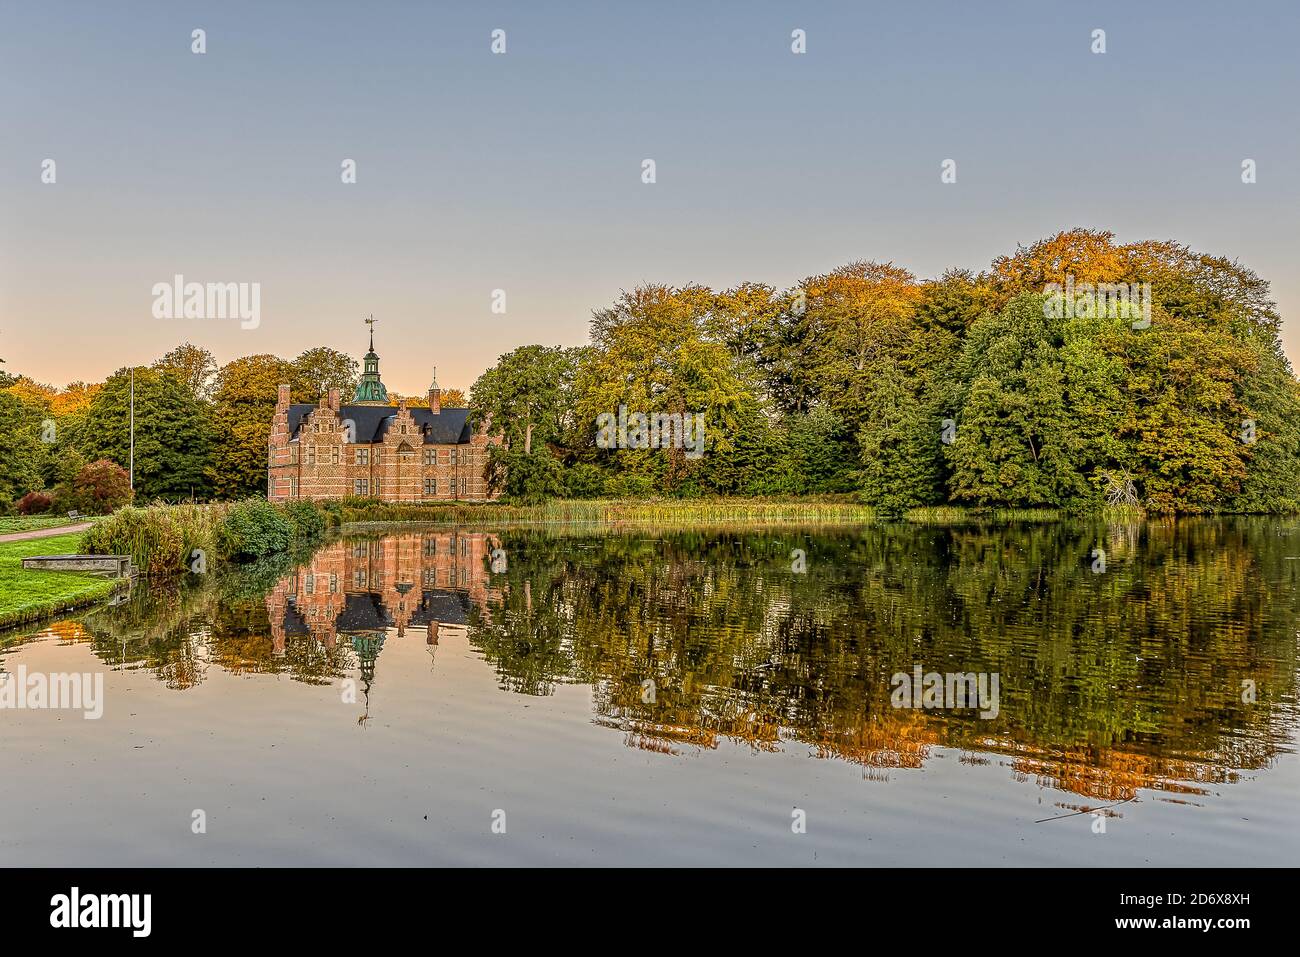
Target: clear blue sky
{"points": [[522, 171]]}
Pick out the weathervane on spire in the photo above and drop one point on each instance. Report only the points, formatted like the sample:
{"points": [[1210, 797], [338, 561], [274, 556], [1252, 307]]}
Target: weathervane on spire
{"points": [[371, 323]]}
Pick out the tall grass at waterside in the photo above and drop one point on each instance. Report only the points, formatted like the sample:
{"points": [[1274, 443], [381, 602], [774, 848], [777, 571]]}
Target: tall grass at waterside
{"points": [[666, 511], [161, 539], [173, 539]]}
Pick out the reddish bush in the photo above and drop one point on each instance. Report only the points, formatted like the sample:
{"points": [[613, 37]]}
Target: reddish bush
{"points": [[34, 503], [101, 487]]}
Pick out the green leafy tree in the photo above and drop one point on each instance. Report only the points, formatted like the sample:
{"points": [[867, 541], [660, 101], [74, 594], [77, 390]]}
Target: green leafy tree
{"points": [[1014, 441], [63, 465], [1184, 417], [855, 318], [1270, 433], [318, 370], [243, 406], [172, 433], [22, 454], [194, 366], [756, 461], [900, 443], [526, 399], [656, 351]]}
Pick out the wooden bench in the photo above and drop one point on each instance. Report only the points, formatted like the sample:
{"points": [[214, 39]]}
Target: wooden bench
{"points": [[75, 516]]}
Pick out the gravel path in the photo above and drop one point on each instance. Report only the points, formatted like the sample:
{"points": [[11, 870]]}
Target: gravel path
{"points": [[46, 532]]}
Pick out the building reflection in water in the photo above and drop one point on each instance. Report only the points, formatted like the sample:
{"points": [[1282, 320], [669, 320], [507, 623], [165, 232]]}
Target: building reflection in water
{"points": [[357, 591]]}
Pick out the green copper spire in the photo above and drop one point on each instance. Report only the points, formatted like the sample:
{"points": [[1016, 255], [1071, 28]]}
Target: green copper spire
{"points": [[370, 390]]}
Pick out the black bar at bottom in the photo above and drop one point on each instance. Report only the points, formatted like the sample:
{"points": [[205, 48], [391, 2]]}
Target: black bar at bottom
{"points": [[366, 906]]}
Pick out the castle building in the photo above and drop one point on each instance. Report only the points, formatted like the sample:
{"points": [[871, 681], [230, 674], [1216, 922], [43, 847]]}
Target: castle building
{"points": [[375, 450]]}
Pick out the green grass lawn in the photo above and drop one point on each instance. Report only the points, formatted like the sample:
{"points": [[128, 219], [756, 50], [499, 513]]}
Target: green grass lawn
{"points": [[28, 595]]}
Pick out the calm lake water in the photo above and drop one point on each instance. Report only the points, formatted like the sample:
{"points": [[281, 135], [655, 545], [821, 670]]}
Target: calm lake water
{"points": [[701, 697]]}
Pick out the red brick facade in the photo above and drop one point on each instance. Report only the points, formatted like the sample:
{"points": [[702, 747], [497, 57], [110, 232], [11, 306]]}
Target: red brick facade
{"points": [[395, 454]]}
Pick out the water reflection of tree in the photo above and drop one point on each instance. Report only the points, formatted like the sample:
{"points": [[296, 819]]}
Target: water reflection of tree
{"points": [[178, 628], [526, 633], [163, 626], [1109, 682]]}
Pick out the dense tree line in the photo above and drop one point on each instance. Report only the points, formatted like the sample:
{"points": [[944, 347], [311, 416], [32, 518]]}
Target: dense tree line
{"points": [[984, 389], [1026, 385]]}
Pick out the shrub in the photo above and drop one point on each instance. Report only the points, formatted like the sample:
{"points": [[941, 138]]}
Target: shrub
{"points": [[583, 480], [253, 528], [629, 486], [99, 488], [308, 520], [34, 503], [164, 539], [331, 511]]}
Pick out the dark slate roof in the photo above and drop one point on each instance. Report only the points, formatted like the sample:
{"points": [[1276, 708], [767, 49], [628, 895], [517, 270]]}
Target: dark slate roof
{"points": [[363, 612], [448, 427], [294, 623], [448, 607]]}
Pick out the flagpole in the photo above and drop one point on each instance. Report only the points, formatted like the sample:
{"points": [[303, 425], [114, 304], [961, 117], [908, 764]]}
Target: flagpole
{"points": [[133, 428]]}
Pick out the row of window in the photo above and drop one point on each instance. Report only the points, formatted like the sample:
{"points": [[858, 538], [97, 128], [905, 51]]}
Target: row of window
{"points": [[361, 580], [375, 550], [362, 456], [309, 584], [328, 455], [326, 426], [363, 486], [448, 577]]}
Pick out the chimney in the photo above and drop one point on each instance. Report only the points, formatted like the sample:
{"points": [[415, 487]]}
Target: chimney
{"points": [[435, 394], [282, 398], [334, 399]]}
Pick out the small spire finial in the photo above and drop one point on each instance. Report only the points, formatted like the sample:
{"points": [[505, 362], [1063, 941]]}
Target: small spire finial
{"points": [[371, 323]]}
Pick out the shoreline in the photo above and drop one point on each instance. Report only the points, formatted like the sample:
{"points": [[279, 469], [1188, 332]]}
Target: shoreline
{"points": [[703, 513], [36, 614], [51, 593]]}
